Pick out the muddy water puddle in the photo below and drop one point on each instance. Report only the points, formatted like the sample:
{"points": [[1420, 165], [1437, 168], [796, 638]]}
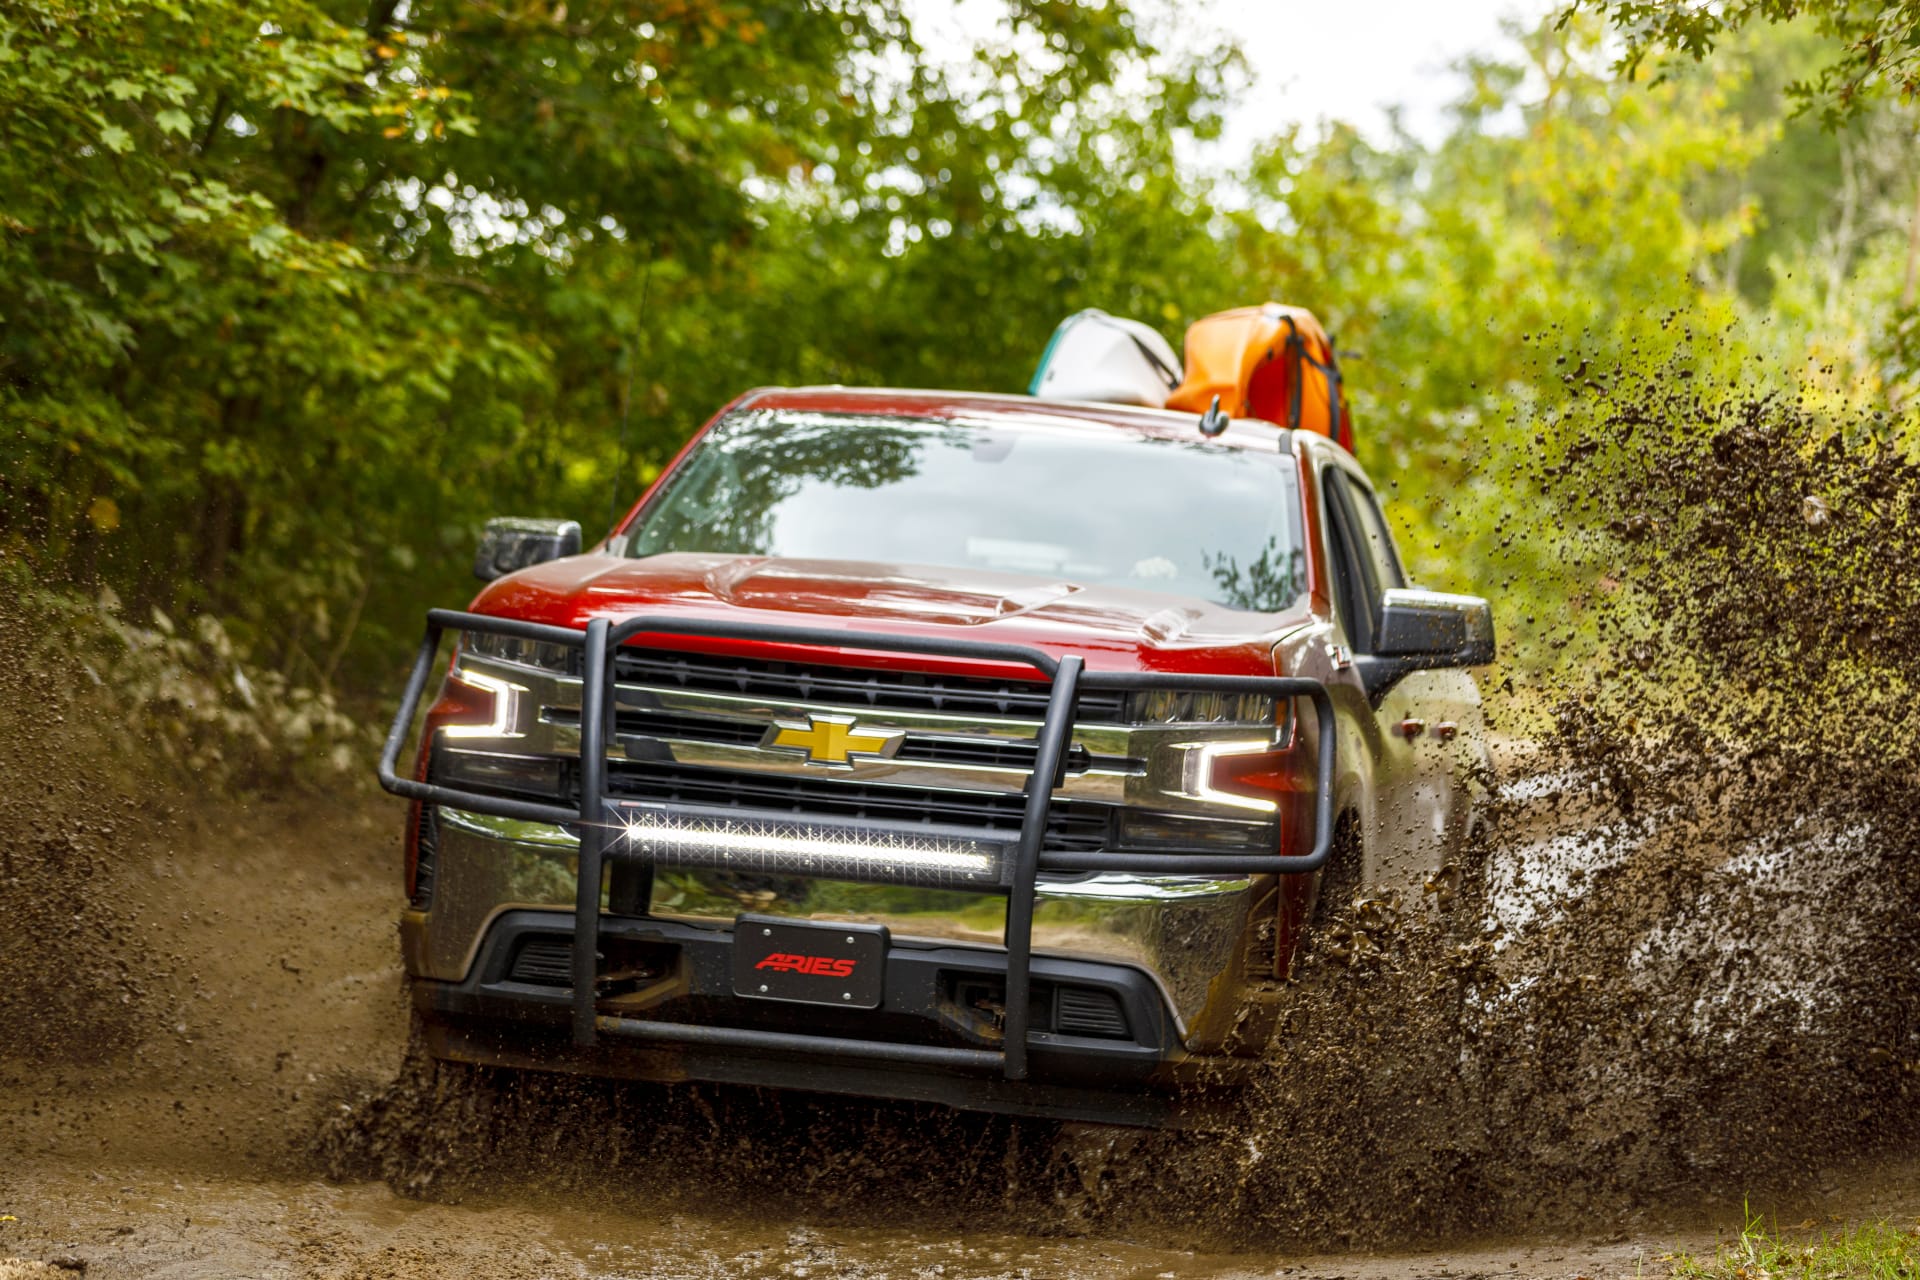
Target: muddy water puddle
{"points": [[157, 1222]]}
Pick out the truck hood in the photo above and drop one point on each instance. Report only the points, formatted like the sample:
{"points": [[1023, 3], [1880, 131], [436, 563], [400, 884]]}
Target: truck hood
{"points": [[1112, 628]]}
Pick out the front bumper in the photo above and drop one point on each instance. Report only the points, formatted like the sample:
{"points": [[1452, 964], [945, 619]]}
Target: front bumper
{"points": [[507, 1012], [1185, 935]]}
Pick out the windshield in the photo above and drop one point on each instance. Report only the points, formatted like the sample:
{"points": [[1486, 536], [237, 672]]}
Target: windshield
{"points": [[1096, 506]]}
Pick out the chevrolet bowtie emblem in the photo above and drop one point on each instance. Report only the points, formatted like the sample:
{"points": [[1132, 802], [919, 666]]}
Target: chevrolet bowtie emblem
{"points": [[832, 740]]}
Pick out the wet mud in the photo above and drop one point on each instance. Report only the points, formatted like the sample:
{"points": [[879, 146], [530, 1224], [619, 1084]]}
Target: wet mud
{"points": [[1680, 967], [1676, 974]]}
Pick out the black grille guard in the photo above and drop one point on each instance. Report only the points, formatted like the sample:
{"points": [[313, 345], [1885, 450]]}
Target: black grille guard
{"points": [[602, 639]]}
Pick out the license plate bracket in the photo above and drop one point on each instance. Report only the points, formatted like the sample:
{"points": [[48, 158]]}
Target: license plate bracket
{"points": [[805, 962]]}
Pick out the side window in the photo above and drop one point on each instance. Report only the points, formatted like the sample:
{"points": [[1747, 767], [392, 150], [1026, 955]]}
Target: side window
{"points": [[1379, 540], [1353, 593]]}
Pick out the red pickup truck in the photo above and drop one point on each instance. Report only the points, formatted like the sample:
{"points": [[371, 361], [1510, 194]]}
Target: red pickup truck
{"points": [[926, 745]]}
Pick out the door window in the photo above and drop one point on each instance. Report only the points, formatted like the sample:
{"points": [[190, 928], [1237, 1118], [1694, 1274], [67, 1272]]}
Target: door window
{"points": [[1353, 593], [1379, 540], [1366, 563]]}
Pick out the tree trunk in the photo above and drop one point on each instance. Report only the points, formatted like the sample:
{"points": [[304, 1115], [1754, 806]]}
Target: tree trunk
{"points": [[1913, 252]]}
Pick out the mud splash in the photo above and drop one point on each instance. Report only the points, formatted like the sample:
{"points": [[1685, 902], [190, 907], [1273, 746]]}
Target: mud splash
{"points": [[449, 1131], [1682, 966], [75, 979], [1625, 1020]]}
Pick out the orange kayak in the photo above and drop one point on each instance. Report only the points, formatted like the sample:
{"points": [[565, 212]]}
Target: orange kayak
{"points": [[1270, 362]]}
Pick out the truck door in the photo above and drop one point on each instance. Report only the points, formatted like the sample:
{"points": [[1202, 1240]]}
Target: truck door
{"points": [[1419, 809]]}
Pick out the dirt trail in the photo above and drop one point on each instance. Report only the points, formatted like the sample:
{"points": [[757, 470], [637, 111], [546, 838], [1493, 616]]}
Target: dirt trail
{"points": [[252, 956], [163, 1224], [272, 992], [269, 990]]}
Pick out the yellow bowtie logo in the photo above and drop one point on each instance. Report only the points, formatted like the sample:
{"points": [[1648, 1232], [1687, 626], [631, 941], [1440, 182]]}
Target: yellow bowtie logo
{"points": [[832, 740]]}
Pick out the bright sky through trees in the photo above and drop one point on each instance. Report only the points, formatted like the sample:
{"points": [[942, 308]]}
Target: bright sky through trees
{"points": [[1356, 60], [1309, 61]]}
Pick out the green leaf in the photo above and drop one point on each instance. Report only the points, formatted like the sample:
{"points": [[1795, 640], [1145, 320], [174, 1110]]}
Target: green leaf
{"points": [[116, 139], [124, 90], [268, 241], [174, 120]]}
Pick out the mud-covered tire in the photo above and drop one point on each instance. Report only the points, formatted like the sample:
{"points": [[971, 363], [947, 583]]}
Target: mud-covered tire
{"points": [[1341, 877], [432, 1118]]}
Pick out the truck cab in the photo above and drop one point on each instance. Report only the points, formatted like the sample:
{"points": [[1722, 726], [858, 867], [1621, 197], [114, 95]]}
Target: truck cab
{"points": [[933, 746]]}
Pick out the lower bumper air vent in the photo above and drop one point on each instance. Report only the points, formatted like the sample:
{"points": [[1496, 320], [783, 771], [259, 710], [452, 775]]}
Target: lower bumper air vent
{"points": [[1079, 1011], [544, 962]]}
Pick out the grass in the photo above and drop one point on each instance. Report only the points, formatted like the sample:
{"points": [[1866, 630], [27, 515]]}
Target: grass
{"points": [[1875, 1251]]}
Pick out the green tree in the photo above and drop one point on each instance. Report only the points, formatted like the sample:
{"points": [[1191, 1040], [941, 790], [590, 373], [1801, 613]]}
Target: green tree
{"points": [[1870, 44], [291, 296]]}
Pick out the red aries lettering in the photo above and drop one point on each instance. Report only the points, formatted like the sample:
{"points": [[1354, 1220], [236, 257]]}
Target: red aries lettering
{"points": [[815, 966]]}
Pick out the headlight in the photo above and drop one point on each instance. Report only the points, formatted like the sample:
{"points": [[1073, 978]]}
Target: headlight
{"points": [[1181, 706], [477, 693], [1220, 772], [559, 659]]}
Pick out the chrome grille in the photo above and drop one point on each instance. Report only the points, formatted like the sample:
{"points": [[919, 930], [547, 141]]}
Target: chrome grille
{"points": [[856, 686], [1072, 825], [654, 723], [699, 731]]}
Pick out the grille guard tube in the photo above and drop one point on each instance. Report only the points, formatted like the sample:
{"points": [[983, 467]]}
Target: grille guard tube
{"points": [[602, 639]]}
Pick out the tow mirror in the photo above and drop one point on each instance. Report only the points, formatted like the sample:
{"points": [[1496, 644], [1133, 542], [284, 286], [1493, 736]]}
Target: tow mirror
{"points": [[1423, 629], [514, 542]]}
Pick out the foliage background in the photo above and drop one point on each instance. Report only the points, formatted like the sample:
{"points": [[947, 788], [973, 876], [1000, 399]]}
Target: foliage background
{"points": [[292, 296]]}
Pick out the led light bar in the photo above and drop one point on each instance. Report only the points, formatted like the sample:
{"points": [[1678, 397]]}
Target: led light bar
{"points": [[775, 845]]}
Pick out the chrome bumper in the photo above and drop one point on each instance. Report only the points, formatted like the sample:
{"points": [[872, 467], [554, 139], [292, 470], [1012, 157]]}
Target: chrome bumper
{"points": [[1186, 933]]}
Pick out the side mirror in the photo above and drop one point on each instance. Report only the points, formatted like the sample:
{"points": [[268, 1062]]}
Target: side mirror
{"points": [[1422, 629], [514, 542]]}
